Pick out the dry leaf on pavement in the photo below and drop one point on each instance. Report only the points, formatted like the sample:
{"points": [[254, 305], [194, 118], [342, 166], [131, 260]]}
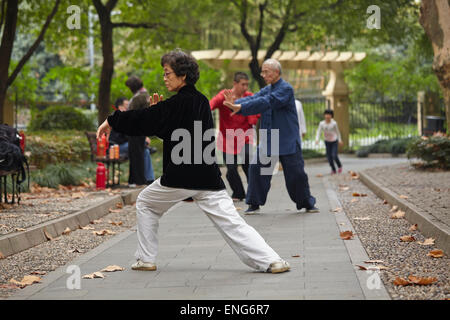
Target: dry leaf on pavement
{"points": [[112, 268], [115, 223], [20, 229], [401, 282], [427, 242], [75, 251], [47, 235], [394, 208], [119, 205], [66, 231], [407, 238], [296, 256], [422, 280], [97, 221], [403, 196], [39, 273], [354, 200], [398, 215], [26, 281], [103, 232], [93, 275], [337, 209], [437, 253], [319, 175], [346, 235], [111, 210], [413, 227], [2, 256], [385, 202], [356, 194], [362, 218], [88, 228]]}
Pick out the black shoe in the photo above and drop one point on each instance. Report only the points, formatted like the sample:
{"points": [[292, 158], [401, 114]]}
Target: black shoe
{"points": [[188, 199], [252, 209], [312, 210]]}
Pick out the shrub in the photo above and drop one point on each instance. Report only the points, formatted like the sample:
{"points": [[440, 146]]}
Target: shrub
{"points": [[435, 150], [59, 174], [44, 148], [392, 146], [60, 118]]}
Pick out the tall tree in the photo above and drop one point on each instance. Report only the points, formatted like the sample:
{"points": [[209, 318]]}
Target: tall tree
{"points": [[266, 24], [435, 19], [8, 22]]}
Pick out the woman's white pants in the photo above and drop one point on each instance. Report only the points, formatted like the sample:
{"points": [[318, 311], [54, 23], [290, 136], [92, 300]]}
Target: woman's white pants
{"points": [[156, 199]]}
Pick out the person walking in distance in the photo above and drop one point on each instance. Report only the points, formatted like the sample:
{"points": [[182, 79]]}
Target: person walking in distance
{"points": [[187, 114], [332, 136], [235, 135]]}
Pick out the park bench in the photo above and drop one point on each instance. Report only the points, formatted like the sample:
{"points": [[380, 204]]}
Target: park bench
{"points": [[114, 164]]}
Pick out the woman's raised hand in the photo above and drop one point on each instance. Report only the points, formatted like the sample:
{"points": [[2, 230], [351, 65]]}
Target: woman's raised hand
{"points": [[155, 99]]}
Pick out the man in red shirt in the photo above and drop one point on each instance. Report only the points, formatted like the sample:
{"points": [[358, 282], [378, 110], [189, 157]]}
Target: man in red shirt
{"points": [[235, 135]]}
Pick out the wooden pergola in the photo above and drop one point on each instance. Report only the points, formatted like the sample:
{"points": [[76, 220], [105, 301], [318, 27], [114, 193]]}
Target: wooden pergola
{"points": [[335, 62]]}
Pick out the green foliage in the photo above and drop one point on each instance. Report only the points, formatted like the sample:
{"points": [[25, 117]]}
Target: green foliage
{"points": [[60, 118], [392, 146], [45, 148], [434, 151], [59, 174], [311, 154]]}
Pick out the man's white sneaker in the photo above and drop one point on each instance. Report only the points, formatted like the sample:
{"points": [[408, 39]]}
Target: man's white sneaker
{"points": [[279, 266], [143, 266]]}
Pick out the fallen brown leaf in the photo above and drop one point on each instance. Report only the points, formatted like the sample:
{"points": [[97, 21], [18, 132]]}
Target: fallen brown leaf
{"points": [[66, 231], [75, 251], [296, 256], [2, 256], [39, 273], [88, 228], [401, 282], [337, 209], [115, 223], [111, 210], [346, 235], [319, 175], [422, 280], [103, 232], [374, 261], [407, 238], [47, 235], [356, 194], [427, 242], [362, 218], [413, 227], [385, 202], [97, 221], [119, 205], [93, 275], [403, 196], [394, 208], [437, 253], [26, 281], [9, 286], [20, 229], [112, 268], [398, 215]]}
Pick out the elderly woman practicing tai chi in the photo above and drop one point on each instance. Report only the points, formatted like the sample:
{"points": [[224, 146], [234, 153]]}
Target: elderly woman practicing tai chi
{"points": [[187, 112]]}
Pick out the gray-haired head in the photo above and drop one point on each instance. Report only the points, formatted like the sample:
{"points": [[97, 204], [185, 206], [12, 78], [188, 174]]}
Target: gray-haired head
{"points": [[274, 64]]}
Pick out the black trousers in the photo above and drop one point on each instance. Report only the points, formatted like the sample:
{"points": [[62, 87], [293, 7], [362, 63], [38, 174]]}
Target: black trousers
{"points": [[136, 148], [233, 177], [332, 154]]}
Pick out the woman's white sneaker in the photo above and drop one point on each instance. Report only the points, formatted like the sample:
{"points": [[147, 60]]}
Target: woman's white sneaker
{"points": [[279, 266], [143, 266]]}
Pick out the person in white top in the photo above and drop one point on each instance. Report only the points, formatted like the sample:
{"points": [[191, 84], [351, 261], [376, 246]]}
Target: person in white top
{"points": [[301, 118], [332, 138]]}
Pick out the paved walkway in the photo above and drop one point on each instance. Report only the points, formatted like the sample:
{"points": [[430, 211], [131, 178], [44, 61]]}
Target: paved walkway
{"points": [[195, 262]]}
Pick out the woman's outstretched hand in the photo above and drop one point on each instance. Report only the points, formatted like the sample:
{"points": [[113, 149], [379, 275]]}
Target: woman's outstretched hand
{"points": [[155, 99], [105, 128]]}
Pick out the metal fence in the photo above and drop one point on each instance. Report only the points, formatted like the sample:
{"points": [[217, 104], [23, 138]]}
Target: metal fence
{"points": [[369, 121]]}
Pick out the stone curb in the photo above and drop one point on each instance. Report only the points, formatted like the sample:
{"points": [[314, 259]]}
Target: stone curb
{"points": [[355, 250], [16, 242], [427, 224]]}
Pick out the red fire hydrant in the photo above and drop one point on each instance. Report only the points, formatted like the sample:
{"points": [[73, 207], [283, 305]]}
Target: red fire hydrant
{"points": [[101, 176]]}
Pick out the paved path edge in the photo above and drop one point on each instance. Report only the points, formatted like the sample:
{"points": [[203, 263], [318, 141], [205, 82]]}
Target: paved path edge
{"points": [[427, 224], [355, 249], [11, 244]]}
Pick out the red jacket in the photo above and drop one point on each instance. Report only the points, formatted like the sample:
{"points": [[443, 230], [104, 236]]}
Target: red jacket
{"points": [[225, 142]]}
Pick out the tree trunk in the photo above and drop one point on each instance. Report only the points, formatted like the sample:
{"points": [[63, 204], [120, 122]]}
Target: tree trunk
{"points": [[104, 91], [256, 72], [6, 47], [435, 19]]}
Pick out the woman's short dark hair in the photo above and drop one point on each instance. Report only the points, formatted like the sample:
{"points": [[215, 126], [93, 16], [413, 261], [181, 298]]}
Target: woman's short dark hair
{"points": [[330, 112], [182, 64], [134, 83]]}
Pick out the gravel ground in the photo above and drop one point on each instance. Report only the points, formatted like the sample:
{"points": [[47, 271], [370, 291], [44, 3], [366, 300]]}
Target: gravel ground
{"points": [[46, 204], [380, 236], [50, 255], [428, 190]]}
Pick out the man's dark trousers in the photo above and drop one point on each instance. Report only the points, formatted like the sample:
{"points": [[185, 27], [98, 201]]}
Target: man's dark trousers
{"points": [[294, 175], [233, 176]]}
